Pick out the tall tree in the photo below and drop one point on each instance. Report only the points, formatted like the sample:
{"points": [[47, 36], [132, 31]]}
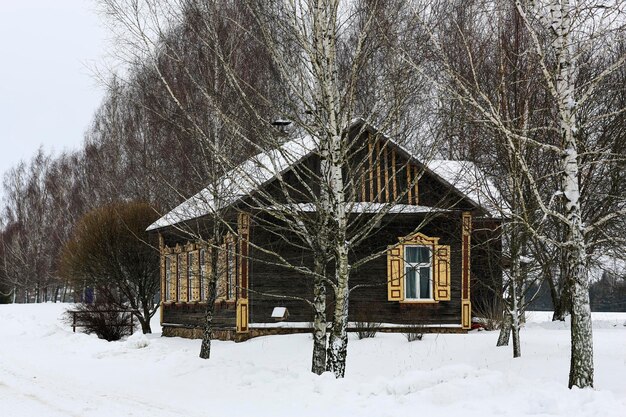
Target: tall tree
{"points": [[558, 33]]}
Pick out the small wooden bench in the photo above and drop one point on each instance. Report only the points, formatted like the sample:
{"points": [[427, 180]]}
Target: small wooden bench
{"points": [[77, 321]]}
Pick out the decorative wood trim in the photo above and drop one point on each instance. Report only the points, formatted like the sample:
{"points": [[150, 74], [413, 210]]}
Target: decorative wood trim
{"points": [[173, 296], [162, 264], [440, 265], [395, 281], [386, 161], [415, 187], [195, 287], [408, 182], [393, 173], [363, 189], [182, 264], [466, 314], [208, 270], [370, 147], [425, 301], [379, 193], [466, 235], [466, 254], [419, 239], [243, 230], [242, 315], [243, 225], [223, 267], [442, 273]]}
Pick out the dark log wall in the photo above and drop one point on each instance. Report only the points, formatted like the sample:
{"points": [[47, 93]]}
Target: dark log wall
{"points": [[292, 184], [366, 304], [271, 285], [433, 193], [486, 265], [192, 314], [370, 303]]}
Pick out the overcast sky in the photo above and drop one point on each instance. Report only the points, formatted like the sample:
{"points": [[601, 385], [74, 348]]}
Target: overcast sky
{"points": [[47, 91]]}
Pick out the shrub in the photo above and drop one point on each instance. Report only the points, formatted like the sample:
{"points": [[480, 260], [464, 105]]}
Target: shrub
{"points": [[366, 327], [489, 314], [416, 332], [110, 249], [104, 319]]}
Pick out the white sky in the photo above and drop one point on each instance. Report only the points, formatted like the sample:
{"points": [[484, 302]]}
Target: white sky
{"points": [[47, 91]]}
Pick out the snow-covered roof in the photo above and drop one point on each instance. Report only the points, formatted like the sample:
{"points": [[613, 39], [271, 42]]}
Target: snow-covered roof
{"points": [[362, 207], [471, 182], [263, 167], [239, 182]]}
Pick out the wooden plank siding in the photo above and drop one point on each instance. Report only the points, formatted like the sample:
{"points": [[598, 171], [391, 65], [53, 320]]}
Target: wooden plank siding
{"points": [[365, 303], [270, 283]]}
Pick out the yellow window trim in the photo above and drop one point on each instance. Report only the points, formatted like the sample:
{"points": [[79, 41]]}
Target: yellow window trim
{"points": [[440, 268]]}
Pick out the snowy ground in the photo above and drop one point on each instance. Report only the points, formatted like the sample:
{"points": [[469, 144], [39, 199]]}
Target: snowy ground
{"points": [[46, 370]]}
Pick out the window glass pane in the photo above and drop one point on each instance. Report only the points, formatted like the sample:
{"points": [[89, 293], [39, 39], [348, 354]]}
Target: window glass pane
{"points": [[411, 255], [424, 282], [411, 287], [423, 254]]}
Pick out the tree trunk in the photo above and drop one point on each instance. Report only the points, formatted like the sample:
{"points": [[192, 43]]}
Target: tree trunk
{"points": [[515, 325], [145, 324], [338, 341], [561, 306], [505, 330], [207, 333], [581, 365], [559, 293], [318, 365]]}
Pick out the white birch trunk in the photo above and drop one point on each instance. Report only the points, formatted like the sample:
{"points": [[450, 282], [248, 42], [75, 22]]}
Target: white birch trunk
{"points": [[505, 330], [328, 100], [318, 362], [338, 341], [515, 325], [581, 366]]}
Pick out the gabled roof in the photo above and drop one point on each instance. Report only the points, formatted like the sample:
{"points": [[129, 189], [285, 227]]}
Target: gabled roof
{"points": [[471, 182], [265, 166], [239, 182]]}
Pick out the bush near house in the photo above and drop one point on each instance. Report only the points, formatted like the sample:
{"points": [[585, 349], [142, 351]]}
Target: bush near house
{"points": [[110, 250]]}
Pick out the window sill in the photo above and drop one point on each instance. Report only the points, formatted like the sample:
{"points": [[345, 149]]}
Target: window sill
{"points": [[424, 301]]}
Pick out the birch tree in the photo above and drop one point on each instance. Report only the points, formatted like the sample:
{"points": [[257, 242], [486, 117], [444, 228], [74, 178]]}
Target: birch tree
{"points": [[559, 32]]}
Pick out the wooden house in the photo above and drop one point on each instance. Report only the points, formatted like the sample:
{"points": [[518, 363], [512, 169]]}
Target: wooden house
{"points": [[438, 243]]}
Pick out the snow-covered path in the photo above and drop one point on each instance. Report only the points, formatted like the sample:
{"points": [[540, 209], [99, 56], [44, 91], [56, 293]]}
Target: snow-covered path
{"points": [[46, 370]]}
